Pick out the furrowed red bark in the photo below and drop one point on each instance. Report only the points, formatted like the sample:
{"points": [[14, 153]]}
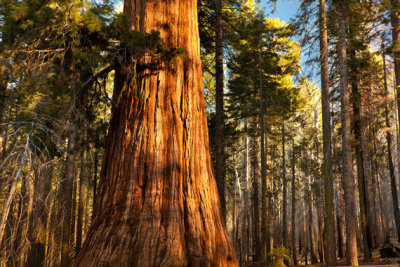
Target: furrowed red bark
{"points": [[158, 203]]}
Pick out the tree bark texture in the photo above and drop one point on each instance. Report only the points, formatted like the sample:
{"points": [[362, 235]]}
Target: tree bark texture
{"points": [[348, 176], [158, 202], [362, 193], [330, 246], [66, 193], [219, 108], [395, 19]]}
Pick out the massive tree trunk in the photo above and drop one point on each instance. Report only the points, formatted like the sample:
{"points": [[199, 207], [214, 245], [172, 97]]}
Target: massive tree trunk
{"points": [[158, 203], [348, 177], [330, 246], [219, 108]]}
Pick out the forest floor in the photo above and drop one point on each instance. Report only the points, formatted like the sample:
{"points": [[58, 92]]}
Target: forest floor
{"points": [[377, 261]]}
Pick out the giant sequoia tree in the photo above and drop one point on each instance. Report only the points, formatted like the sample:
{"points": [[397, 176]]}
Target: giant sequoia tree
{"points": [[158, 203]]}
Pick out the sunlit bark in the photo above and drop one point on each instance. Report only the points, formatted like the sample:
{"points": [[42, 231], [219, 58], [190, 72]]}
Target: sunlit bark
{"points": [[158, 203]]}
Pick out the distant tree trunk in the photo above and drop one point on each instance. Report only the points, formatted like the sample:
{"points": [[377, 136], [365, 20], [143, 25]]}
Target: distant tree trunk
{"points": [[263, 159], [284, 197], [341, 222], [246, 204], [393, 185], [81, 200], [362, 192], [219, 109], [37, 229], [95, 171], [3, 128], [395, 21], [313, 249], [377, 210], [330, 246], [13, 187], [293, 254], [348, 178], [256, 212], [66, 191], [321, 232], [158, 202]]}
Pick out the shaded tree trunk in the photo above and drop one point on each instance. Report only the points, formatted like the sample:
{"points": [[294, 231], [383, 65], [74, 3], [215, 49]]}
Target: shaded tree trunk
{"points": [[95, 172], [37, 230], [219, 109], [66, 191], [330, 246], [284, 192], [158, 202], [293, 246], [362, 192], [246, 204], [313, 249], [256, 206], [348, 178], [264, 233], [79, 223], [393, 185]]}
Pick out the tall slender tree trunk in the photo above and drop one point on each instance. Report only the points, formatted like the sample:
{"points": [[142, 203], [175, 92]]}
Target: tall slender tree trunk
{"points": [[313, 249], [348, 178], [38, 227], [321, 232], [66, 191], [95, 172], [79, 223], [246, 203], [339, 202], [330, 246], [158, 202], [340, 222], [393, 185], [219, 109], [284, 197], [264, 233], [293, 247], [362, 192], [13, 187], [256, 209]]}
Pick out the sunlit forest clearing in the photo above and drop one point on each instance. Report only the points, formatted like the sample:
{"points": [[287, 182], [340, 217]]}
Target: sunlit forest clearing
{"points": [[199, 133]]}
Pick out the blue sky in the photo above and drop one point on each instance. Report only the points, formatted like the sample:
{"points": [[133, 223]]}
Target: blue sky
{"points": [[285, 9]]}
